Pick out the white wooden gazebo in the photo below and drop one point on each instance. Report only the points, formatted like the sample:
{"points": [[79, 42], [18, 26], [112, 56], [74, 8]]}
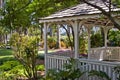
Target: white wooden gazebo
{"points": [[83, 14]]}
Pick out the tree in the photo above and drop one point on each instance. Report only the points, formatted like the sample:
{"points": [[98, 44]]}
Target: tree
{"points": [[18, 15], [14, 15]]}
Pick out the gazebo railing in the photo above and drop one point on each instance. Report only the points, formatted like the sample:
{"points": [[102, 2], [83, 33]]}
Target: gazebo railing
{"points": [[109, 53], [57, 62]]}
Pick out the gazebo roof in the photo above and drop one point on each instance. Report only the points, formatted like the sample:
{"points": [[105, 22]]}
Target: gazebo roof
{"points": [[79, 10]]}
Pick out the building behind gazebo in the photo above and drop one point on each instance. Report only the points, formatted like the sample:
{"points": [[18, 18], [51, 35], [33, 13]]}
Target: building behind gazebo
{"points": [[83, 14]]}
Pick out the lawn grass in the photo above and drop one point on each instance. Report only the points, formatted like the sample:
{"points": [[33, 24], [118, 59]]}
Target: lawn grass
{"points": [[42, 51], [5, 52], [41, 54], [6, 55]]}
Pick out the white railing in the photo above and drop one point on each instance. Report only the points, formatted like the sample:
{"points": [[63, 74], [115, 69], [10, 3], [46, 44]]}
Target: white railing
{"points": [[104, 66], [56, 62], [109, 53]]}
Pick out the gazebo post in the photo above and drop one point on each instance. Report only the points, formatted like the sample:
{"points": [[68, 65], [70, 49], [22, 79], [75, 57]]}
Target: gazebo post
{"points": [[106, 32], [45, 45], [58, 37], [76, 41], [89, 41], [105, 36]]}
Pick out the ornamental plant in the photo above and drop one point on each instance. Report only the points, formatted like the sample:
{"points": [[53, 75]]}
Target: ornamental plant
{"points": [[25, 51]]}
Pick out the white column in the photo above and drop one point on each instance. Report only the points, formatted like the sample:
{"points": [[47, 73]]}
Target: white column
{"points": [[105, 35], [105, 39], [58, 37], [45, 46], [89, 41], [76, 40], [45, 38]]}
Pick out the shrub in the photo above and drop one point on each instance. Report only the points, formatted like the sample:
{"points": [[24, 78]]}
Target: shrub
{"points": [[82, 45], [10, 70], [62, 43], [26, 51], [51, 42], [96, 40], [114, 38], [67, 42], [40, 67]]}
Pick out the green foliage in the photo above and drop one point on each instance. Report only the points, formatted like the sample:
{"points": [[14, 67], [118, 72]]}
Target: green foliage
{"points": [[8, 65], [70, 72], [34, 31], [117, 71], [6, 58], [67, 41], [11, 70], [51, 42], [116, 2], [82, 44], [114, 37], [100, 74], [21, 14], [26, 51], [96, 40], [14, 14], [40, 67]]}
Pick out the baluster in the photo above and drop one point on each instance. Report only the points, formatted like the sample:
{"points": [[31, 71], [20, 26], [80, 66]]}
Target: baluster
{"points": [[98, 67], [90, 68], [110, 71], [94, 68], [50, 63], [49, 66], [106, 69], [46, 62]]}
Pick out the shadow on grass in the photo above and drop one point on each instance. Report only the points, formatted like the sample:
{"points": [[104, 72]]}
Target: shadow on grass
{"points": [[4, 59], [6, 52], [6, 55]]}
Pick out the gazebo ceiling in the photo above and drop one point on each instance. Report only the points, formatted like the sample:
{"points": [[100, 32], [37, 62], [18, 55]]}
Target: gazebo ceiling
{"points": [[84, 12]]}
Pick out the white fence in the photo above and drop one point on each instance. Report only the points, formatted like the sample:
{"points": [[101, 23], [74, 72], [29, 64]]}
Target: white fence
{"points": [[54, 61], [109, 53]]}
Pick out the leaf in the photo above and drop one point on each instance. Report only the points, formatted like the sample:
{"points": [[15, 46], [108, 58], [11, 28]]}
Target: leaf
{"points": [[100, 74]]}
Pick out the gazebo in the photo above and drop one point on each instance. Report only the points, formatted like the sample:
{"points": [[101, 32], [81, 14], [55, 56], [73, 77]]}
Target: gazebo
{"points": [[83, 14]]}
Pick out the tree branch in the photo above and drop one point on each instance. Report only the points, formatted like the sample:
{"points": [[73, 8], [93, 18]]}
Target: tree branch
{"points": [[24, 6], [107, 14]]}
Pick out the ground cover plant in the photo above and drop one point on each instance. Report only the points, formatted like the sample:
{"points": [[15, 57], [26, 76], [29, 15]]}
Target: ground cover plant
{"points": [[70, 72]]}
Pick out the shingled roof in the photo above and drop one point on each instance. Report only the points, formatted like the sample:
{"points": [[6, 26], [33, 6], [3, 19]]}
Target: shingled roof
{"points": [[79, 10]]}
